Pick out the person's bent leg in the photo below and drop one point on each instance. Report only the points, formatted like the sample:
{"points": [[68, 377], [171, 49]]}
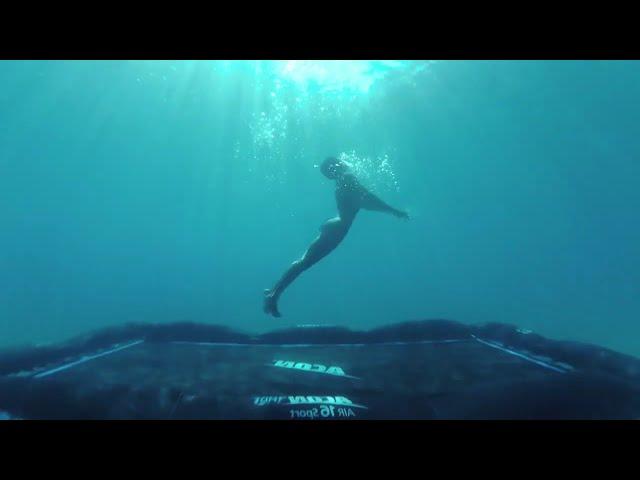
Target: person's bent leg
{"points": [[272, 296], [289, 276], [318, 250]]}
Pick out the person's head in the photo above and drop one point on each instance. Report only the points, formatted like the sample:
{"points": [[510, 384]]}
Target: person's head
{"points": [[333, 168]]}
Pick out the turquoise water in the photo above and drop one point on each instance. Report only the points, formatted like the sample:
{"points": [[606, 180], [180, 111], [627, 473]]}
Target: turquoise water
{"points": [[162, 191]]}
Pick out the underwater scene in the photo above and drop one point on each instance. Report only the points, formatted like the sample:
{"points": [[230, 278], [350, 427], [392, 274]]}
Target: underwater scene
{"points": [[319, 239]]}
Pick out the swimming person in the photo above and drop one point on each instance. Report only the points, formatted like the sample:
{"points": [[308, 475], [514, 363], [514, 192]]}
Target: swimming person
{"points": [[350, 198]]}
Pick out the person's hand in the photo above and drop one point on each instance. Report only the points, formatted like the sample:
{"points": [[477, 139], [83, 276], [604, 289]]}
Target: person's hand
{"points": [[402, 215]]}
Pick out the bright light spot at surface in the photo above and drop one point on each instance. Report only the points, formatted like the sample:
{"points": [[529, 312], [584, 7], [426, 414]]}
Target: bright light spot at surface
{"points": [[340, 75], [280, 108]]}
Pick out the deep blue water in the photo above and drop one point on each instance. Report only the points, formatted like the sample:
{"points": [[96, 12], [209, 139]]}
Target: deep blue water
{"points": [[168, 191]]}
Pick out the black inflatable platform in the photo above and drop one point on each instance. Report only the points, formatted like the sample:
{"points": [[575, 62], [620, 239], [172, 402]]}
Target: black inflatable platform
{"points": [[432, 369]]}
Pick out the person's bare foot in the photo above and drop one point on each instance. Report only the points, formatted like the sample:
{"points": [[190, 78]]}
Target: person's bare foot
{"points": [[270, 305]]}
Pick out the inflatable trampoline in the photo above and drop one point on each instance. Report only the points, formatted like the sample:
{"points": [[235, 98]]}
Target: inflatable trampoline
{"points": [[432, 369]]}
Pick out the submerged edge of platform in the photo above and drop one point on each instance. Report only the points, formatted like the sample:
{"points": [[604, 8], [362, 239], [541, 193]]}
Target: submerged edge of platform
{"points": [[571, 367], [575, 354]]}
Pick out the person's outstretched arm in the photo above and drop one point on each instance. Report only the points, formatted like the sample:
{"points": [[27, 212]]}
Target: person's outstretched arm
{"points": [[371, 202]]}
